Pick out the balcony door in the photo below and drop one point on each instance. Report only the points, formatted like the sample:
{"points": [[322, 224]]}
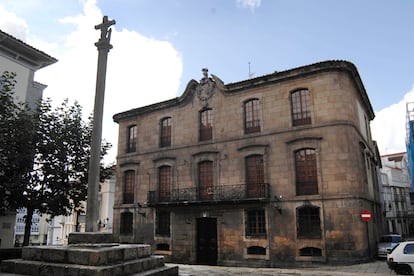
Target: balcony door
{"points": [[164, 178], [205, 180], [255, 176]]}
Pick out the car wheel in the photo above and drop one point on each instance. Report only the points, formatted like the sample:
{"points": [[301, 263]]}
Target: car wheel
{"points": [[403, 269]]}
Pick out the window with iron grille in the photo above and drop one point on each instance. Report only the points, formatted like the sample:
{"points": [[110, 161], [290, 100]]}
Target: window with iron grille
{"points": [[255, 176], [205, 180], [165, 135], [255, 223], [126, 223], [129, 183], [162, 227], [165, 181], [132, 139], [206, 125], [308, 222], [306, 172], [251, 116], [301, 113]]}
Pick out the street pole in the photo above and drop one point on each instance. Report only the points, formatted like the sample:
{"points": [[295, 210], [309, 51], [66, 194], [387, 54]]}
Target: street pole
{"points": [[103, 45]]}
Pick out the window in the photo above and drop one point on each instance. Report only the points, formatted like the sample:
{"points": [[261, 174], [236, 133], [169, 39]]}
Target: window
{"points": [[255, 223], [310, 251], [162, 227], [300, 101], [308, 222], [409, 248], [251, 116], [205, 178], [132, 139], [165, 136], [206, 125], [126, 223], [163, 246], [255, 176], [256, 250], [306, 173], [129, 183], [165, 181]]}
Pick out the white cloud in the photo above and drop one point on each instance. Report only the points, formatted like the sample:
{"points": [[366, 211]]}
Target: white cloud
{"points": [[389, 126], [140, 70], [250, 4], [13, 25]]}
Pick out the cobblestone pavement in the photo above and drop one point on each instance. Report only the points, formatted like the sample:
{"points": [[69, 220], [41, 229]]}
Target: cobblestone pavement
{"points": [[375, 268]]}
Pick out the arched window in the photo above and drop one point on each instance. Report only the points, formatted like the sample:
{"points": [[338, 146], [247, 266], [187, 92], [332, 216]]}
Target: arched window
{"points": [[132, 139], [256, 250], [308, 222], [165, 182], [205, 180], [251, 116], [306, 172], [255, 176], [129, 184], [165, 135], [206, 125], [301, 113]]}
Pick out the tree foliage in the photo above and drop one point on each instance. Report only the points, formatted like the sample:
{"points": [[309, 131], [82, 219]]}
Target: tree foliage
{"points": [[44, 156]]}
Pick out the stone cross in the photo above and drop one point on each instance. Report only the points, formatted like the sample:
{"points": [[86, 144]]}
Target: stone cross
{"points": [[92, 204]]}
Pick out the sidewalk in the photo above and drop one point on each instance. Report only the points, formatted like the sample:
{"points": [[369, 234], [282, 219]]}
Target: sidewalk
{"points": [[376, 268]]}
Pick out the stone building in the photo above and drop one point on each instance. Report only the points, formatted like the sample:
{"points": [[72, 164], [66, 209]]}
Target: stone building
{"points": [[267, 171]]}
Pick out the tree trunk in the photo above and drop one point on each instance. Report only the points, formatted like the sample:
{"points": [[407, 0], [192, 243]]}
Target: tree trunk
{"points": [[28, 226]]}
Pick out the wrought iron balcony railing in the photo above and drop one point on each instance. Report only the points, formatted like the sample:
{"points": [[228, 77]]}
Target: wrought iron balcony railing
{"points": [[215, 193]]}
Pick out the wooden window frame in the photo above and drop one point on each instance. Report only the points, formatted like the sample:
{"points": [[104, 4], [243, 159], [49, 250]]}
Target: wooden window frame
{"points": [[306, 172], [165, 132], [129, 187], [252, 116], [255, 223], [255, 178], [132, 139], [205, 170], [301, 107], [165, 182], [206, 125]]}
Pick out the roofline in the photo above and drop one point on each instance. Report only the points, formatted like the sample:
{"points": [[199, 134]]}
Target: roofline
{"points": [[19, 50], [394, 154], [276, 77]]}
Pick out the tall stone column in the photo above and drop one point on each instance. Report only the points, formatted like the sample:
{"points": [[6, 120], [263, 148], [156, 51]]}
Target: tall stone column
{"points": [[103, 45]]}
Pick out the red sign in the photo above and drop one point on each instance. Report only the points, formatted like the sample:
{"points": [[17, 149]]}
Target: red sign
{"points": [[365, 215]]}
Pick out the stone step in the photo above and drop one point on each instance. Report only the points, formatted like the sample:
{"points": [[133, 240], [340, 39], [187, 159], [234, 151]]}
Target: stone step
{"points": [[86, 255], [153, 265]]}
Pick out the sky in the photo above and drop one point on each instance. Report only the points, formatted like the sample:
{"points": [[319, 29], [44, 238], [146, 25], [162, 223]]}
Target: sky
{"points": [[160, 45]]}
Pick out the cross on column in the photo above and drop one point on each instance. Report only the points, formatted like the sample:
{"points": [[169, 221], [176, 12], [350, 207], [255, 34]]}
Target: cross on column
{"points": [[105, 33]]}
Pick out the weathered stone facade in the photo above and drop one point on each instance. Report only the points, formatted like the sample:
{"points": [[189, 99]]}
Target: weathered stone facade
{"points": [[278, 223]]}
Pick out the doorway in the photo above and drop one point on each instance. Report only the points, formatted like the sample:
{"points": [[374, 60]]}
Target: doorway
{"points": [[207, 241]]}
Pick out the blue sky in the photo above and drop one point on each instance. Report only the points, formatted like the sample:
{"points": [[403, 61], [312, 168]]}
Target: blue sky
{"points": [[164, 44]]}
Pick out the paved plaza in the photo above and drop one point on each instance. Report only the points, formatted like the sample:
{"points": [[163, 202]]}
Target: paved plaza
{"points": [[376, 268]]}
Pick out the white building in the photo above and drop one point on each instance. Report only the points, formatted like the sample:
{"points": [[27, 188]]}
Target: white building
{"points": [[24, 60], [396, 188]]}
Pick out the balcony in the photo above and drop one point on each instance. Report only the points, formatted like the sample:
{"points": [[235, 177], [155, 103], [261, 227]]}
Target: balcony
{"points": [[211, 195]]}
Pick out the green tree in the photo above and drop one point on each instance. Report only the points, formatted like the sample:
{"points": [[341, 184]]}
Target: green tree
{"points": [[16, 144], [58, 182], [44, 156]]}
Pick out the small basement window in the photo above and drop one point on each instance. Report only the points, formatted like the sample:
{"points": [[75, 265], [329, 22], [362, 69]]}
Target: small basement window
{"points": [[256, 250], [310, 251], [163, 246]]}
